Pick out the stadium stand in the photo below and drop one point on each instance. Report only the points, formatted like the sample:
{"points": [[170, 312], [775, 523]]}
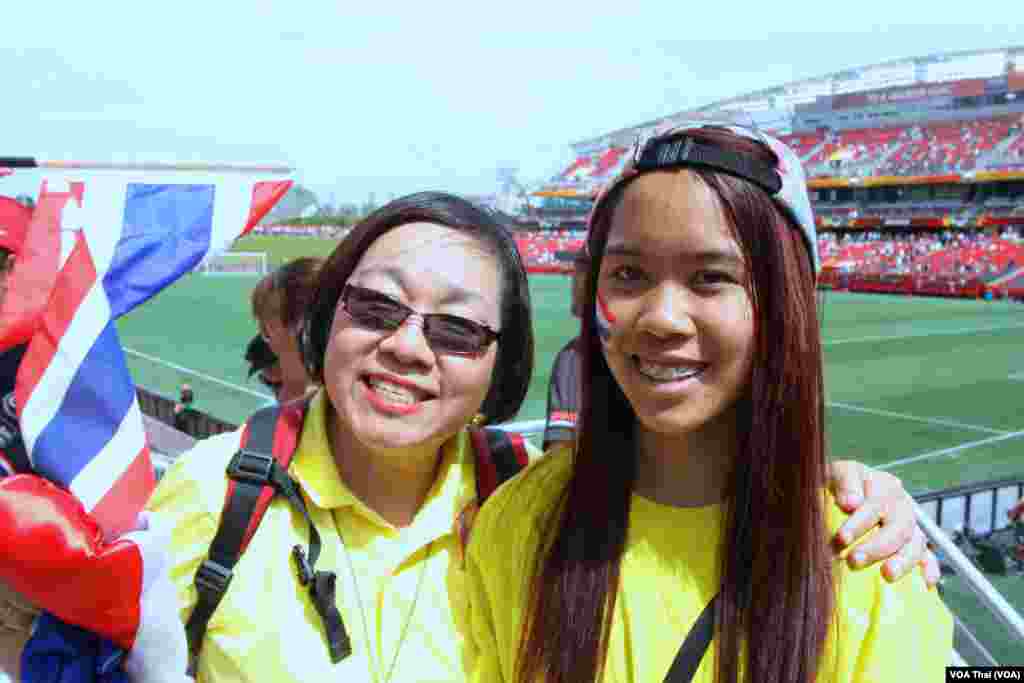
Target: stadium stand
{"points": [[915, 170]]}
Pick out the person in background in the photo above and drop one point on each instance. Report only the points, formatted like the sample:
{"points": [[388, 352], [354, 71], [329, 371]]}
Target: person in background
{"points": [[1016, 516], [279, 304], [184, 413], [39, 647], [564, 383], [264, 365], [16, 614], [14, 222]]}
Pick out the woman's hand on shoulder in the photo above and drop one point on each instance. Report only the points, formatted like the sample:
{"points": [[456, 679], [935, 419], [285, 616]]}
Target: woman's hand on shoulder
{"points": [[877, 500]]}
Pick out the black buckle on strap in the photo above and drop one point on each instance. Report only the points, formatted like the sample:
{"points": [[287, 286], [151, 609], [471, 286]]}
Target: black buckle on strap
{"points": [[213, 578], [252, 467]]}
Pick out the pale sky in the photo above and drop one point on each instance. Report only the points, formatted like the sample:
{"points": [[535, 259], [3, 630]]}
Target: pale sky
{"points": [[403, 97]]}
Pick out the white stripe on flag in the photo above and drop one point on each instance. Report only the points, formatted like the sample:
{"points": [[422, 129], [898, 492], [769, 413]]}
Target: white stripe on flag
{"points": [[230, 211], [86, 325], [102, 472], [103, 218]]}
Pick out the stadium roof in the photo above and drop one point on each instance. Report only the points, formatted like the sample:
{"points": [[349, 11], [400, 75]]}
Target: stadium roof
{"points": [[827, 84]]}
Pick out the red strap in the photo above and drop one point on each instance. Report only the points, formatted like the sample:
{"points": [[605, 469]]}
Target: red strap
{"points": [[486, 472], [519, 447], [286, 440]]}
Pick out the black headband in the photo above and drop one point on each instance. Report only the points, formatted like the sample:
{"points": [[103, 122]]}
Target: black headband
{"points": [[682, 150]]}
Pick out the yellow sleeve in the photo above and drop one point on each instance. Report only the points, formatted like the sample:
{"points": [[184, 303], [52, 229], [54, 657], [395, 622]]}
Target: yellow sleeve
{"points": [[190, 497], [508, 535], [886, 631], [911, 634]]}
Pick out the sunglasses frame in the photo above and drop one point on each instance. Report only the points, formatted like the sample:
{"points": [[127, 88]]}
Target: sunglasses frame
{"points": [[490, 335]]}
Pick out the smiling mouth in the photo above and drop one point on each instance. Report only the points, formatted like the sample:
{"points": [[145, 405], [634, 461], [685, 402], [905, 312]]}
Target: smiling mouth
{"points": [[392, 392], [392, 398], [662, 374]]}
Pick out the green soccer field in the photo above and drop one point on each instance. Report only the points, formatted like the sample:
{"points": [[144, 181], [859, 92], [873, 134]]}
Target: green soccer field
{"points": [[930, 389]]}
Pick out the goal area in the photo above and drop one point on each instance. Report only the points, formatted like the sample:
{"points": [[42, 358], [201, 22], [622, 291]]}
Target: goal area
{"points": [[235, 263]]}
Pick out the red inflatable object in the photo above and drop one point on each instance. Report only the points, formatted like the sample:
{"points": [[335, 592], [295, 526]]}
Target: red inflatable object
{"points": [[52, 552]]}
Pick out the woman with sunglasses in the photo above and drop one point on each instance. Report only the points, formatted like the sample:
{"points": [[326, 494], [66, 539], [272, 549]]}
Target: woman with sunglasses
{"points": [[419, 326], [688, 535]]}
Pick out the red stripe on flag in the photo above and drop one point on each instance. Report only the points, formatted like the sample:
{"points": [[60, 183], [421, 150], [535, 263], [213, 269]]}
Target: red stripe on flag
{"points": [[117, 510], [73, 283], [264, 196], [33, 276]]}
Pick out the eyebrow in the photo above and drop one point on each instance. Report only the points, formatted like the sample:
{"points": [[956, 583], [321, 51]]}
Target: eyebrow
{"points": [[706, 256], [454, 294]]}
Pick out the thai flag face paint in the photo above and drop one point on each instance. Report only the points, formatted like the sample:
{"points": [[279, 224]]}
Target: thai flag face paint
{"points": [[605, 320]]}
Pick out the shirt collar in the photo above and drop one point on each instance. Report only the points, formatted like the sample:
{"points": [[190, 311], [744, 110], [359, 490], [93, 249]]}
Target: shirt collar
{"points": [[315, 469]]}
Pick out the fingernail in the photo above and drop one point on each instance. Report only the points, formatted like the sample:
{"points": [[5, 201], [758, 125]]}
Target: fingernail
{"points": [[859, 559]]}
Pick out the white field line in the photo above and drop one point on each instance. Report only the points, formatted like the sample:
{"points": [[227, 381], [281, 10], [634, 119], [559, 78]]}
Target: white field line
{"points": [[913, 335], [951, 451], [208, 378], [914, 418]]}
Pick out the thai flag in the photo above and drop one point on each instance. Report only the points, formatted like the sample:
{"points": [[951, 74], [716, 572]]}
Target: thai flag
{"points": [[97, 248], [604, 320]]}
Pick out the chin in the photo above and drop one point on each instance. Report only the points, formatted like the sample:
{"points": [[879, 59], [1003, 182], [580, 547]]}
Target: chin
{"points": [[681, 421]]}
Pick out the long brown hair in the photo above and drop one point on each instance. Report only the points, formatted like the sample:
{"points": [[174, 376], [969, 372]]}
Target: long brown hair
{"points": [[777, 593]]}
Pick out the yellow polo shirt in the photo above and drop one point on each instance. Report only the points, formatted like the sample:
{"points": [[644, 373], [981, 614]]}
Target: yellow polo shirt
{"points": [[670, 571], [410, 580]]}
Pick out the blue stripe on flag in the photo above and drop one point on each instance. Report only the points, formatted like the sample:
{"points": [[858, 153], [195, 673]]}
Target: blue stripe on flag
{"points": [[166, 233], [92, 410]]}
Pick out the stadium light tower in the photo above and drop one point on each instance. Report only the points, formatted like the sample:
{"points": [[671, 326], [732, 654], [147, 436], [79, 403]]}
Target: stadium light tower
{"points": [[507, 175]]}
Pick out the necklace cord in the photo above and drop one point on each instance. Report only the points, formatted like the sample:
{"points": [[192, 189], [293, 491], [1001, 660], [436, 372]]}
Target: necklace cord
{"points": [[362, 612]]}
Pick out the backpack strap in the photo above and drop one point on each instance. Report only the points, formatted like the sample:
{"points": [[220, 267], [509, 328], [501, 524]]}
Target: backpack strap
{"points": [[684, 666], [500, 455], [257, 472]]}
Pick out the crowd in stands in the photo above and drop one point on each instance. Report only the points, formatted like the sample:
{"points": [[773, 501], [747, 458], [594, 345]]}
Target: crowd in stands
{"points": [[540, 249], [987, 255], [932, 149]]}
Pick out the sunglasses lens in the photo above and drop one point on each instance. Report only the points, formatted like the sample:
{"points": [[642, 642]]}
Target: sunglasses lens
{"points": [[444, 333], [456, 335], [375, 310]]}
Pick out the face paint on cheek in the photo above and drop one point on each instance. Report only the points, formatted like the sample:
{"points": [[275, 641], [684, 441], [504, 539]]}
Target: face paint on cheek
{"points": [[605, 321]]}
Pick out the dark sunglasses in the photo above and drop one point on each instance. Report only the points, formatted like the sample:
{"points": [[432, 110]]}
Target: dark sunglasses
{"points": [[451, 334]]}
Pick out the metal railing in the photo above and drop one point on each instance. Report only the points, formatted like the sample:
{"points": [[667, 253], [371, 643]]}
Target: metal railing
{"points": [[976, 506], [991, 598]]}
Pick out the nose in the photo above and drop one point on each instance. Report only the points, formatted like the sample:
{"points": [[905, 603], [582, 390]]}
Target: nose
{"points": [[408, 343], [667, 311]]}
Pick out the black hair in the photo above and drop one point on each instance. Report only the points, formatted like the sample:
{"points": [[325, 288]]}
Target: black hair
{"points": [[259, 355], [514, 364]]}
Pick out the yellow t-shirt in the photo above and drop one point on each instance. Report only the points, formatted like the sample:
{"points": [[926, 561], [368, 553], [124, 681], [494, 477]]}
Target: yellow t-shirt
{"points": [[670, 571], [411, 581]]}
